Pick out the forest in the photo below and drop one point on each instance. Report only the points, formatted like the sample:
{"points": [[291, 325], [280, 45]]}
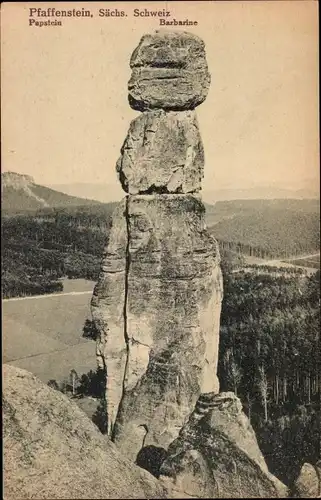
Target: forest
{"points": [[270, 357], [271, 234], [40, 247]]}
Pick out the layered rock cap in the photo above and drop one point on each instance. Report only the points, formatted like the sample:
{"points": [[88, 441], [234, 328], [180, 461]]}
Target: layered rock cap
{"points": [[169, 71]]}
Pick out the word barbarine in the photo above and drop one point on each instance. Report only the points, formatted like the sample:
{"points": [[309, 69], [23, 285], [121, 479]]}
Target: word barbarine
{"points": [[175, 22], [52, 12]]}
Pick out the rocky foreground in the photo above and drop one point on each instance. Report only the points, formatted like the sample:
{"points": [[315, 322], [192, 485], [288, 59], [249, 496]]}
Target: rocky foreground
{"points": [[52, 449]]}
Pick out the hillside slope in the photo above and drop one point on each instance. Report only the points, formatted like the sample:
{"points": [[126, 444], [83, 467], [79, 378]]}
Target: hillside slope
{"points": [[52, 450], [223, 210], [19, 193], [267, 228]]}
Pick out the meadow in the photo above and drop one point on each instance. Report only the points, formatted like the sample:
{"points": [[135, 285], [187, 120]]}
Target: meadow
{"points": [[44, 335]]}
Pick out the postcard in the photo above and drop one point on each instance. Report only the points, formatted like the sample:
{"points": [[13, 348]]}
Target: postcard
{"points": [[161, 249]]}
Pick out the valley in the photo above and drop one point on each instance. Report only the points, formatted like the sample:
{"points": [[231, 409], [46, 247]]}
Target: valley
{"points": [[51, 256]]}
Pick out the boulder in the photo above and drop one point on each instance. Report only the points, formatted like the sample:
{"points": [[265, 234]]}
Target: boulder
{"points": [[162, 153], [169, 71], [308, 485], [217, 456], [52, 450], [174, 293]]}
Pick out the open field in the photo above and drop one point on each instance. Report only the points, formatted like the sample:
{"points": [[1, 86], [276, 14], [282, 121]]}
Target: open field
{"points": [[309, 264], [307, 261], [45, 336], [78, 285], [57, 364]]}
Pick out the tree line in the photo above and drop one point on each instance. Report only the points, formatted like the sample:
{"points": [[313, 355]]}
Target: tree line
{"points": [[270, 233], [272, 251], [90, 384]]}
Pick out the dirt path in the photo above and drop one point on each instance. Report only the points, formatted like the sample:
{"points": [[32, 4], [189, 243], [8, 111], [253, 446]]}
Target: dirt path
{"points": [[32, 297], [289, 259]]}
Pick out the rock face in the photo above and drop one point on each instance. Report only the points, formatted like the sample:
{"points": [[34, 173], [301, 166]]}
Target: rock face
{"points": [[52, 450], [174, 290], [163, 153], [217, 456], [169, 71], [107, 306], [17, 181], [308, 484], [158, 299]]}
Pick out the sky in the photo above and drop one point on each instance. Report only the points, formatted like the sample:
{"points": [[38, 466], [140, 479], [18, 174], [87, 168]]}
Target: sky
{"points": [[65, 112]]}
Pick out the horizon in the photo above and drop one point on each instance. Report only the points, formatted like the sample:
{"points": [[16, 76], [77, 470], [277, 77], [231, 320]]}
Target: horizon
{"points": [[263, 192], [307, 183]]}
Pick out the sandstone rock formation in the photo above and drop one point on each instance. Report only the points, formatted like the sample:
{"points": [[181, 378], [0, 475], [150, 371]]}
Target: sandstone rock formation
{"points": [[169, 71], [163, 153], [52, 450], [308, 484], [173, 304], [108, 303], [157, 302], [18, 181], [217, 456]]}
